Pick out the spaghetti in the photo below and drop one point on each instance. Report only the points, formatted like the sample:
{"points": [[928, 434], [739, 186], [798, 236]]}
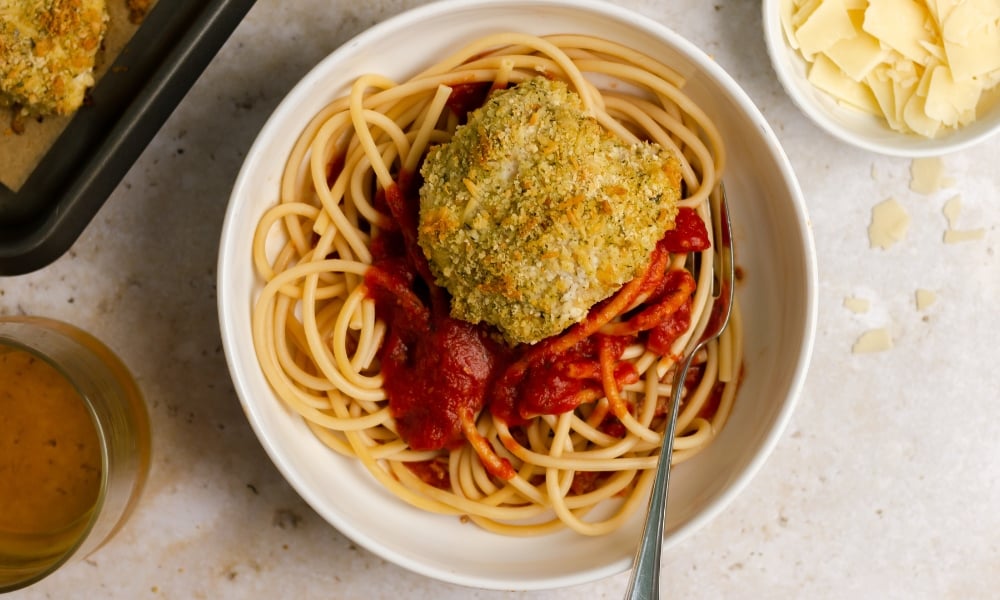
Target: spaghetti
{"points": [[521, 440]]}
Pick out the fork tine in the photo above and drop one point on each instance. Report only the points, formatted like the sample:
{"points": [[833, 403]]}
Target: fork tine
{"points": [[726, 272]]}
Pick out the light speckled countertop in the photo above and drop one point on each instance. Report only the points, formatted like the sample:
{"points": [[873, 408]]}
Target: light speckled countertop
{"points": [[885, 485]]}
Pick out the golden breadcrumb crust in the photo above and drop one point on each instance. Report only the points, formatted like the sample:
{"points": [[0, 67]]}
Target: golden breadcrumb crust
{"points": [[533, 212], [138, 9], [47, 53]]}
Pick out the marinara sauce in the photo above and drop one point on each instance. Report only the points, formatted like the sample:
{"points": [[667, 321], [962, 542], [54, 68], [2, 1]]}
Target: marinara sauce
{"points": [[436, 368]]}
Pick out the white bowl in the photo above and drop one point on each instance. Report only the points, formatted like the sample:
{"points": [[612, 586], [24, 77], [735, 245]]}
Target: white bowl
{"points": [[853, 126], [778, 298]]}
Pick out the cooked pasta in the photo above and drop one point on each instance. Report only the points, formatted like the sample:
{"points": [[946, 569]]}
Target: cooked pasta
{"points": [[350, 331]]}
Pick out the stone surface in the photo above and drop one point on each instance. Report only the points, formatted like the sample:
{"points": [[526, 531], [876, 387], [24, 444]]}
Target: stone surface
{"points": [[885, 484]]}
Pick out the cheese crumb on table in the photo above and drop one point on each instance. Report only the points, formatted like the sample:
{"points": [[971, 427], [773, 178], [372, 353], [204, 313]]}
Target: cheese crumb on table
{"points": [[952, 208], [889, 224], [955, 236], [927, 175], [857, 305], [924, 298], [873, 340]]}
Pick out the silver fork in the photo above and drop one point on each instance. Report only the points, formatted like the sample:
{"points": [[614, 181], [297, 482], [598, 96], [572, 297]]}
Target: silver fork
{"points": [[644, 583]]}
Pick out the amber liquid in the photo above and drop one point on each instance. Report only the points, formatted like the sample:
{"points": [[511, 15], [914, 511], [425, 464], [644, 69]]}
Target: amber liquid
{"points": [[50, 461]]}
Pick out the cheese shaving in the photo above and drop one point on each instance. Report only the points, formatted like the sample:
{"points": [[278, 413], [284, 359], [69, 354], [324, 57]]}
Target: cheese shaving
{"points": [[951, 209], [857, 305], [924, 66], [927, 175], [889, 224], [956, 236], [873, 340], [924, 299]]}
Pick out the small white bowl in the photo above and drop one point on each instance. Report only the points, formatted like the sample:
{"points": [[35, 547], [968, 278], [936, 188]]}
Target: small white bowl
{"points": [[853, 126], [778, 297]]}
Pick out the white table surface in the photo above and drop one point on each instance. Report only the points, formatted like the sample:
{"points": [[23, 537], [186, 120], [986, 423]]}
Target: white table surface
{"points": [[886, 483]]}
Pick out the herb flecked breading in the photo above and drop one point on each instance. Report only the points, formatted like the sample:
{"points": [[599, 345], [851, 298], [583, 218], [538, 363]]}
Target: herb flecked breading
{"points": [[47, 53], [533, 212]]}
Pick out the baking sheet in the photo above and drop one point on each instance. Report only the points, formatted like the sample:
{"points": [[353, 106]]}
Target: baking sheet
{"points": [[63, 176], [20, 151]]}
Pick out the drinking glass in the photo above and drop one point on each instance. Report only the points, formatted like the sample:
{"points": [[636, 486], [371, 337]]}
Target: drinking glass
{"points": [[36, 440]]}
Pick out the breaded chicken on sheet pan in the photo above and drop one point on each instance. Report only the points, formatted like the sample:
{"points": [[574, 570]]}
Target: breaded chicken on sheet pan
{"points": [[47, 53]]}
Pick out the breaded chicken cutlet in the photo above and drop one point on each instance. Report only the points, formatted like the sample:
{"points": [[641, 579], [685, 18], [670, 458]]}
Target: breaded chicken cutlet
{"points": [[47, 53], [534, 212]]}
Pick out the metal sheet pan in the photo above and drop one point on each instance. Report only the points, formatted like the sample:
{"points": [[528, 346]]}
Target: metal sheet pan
{"points": [[176, 41]]}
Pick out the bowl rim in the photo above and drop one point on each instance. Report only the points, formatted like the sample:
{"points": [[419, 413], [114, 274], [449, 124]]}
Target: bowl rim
{"points": [[809, 282], [909, 146]]}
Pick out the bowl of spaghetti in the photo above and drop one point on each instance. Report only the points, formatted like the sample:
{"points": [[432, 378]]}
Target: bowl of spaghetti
{"points": [[454, 284]]}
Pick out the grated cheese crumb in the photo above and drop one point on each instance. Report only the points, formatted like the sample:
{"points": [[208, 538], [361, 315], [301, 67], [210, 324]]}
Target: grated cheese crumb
{"points": [[924, 299], [951, 209], [889, 224], [857, 305], [873, 340], [927, 175], [956, 236]]}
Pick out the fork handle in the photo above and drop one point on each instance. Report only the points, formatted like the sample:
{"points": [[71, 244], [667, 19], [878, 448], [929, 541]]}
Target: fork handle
{"points": [[644, 583]]}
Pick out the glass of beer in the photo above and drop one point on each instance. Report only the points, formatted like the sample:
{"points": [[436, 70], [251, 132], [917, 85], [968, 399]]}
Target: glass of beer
{"points": [[74, 446]]}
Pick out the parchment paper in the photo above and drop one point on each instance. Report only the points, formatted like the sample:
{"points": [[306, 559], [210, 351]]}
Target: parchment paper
{"points": [[21, 152]]}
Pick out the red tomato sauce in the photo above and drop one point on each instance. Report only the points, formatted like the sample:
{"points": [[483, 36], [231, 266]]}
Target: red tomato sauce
{"points": [[467, 97], [557, 383], [689, 233], [437, 368], [434, 367]]}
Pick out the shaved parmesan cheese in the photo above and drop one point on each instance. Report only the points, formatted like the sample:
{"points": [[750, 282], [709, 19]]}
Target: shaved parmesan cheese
{"points": [[990, 80], [922, 65], [915, 117], [899, 24], [803, 11], [925, 77], [885, 95], [903, 71], [955, 236], [889, 224], [924, 299], [787, 8], [901, 94], [941, 9], [951, 209], [972, 39], [874, 340], [826, 76], [828, 24], [858, 54], [936, 51], [857, 305], [927, 175]]}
